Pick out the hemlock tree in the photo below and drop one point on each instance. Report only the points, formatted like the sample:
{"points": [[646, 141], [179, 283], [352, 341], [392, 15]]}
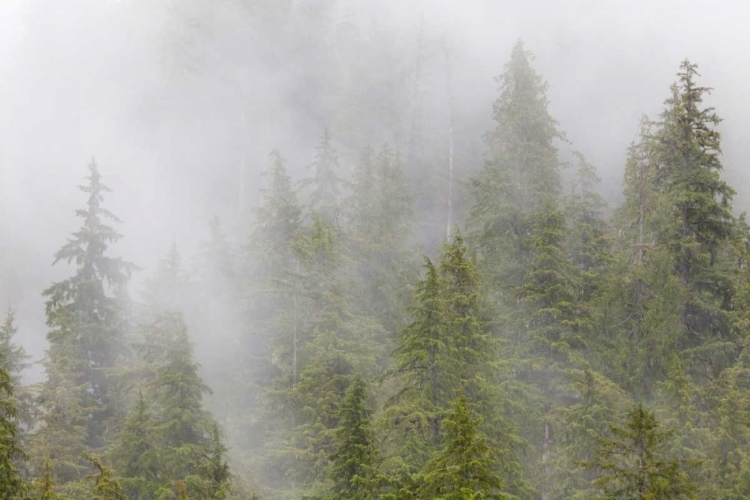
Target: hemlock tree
{"points": [[446, 350], [45, 485], [332, 343], [105, 486], [698, 220], [14, 360], [463, 468], [521, 173], [630, 463], [182, 431], [86, 341], [352, 462], [135, 455], [12, 484]]}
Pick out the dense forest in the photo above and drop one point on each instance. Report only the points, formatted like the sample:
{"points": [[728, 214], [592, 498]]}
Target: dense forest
{"points": [[391, 325]]}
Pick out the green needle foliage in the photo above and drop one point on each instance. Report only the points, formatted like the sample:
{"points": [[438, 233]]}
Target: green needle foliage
{"points": [[631, 465], [352, 462], [463, 467]]}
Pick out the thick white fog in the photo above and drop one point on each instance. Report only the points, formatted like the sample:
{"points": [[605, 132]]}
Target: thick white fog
{"points": [[173, 97]]}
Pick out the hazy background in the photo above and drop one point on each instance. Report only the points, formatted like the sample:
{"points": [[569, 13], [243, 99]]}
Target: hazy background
{"points": [[173, 97]]}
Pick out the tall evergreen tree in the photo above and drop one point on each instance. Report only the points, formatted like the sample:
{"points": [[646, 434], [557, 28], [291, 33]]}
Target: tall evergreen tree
{"points": [[521, 174], [380, 223], [463, 468], [86, 340], [182, 429], [630, 463], [588, 243], [698, 217], [332, 342], [352, 463], [14, 361], [45, 485], [105, 487], [135, 455], [12, 484], [325, 184]]}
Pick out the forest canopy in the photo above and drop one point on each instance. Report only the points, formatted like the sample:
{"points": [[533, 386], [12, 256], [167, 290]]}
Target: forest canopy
{"points": [[388, 326]]}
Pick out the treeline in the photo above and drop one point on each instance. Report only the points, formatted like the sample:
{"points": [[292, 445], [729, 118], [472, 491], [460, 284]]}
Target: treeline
{"points": [[546, 351]]}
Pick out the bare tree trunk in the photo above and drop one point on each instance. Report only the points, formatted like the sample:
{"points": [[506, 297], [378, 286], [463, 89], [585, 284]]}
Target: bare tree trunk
{"points": [[450, 143], [545, 461]]}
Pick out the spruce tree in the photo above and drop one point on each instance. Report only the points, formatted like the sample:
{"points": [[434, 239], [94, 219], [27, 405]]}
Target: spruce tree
{"points": [[182, 429], [45, 485], [548, 291], [698, 217], [448, 350], [463, 468], [521, 173], [86, 340], [332, 342], [105, 486], [631, 465], [354, 457], [596, 406]]}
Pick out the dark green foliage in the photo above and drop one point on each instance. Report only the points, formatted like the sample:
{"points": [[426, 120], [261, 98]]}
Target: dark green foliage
{"points": [[463, 467], [14, 360], [12, 484], [355, 453], [135, 455], [549, 289], [87, 340], [631, 465], [45, 484], [447, 350], [106, 487], [521, 174]]}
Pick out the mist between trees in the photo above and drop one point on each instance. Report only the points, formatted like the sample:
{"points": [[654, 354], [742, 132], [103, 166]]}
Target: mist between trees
{"points": [[415, 315]]}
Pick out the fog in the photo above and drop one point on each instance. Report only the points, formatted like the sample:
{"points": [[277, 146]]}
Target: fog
{"points": [[173, 98]]}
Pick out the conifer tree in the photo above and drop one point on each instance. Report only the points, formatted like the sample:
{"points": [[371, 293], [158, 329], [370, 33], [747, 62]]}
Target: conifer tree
{"points": [[354, 457], [521, 174], [380, 220], [448, 350], [549, 288], [279, 221], [332, 343], [135, 454], [596, 407], [106, 487], [588, 240], [12, 484], [698, 217], [182, 429], [463, 468], [45, 485], [325, 184], [631, 465], [14, 361], [86, 340]]}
